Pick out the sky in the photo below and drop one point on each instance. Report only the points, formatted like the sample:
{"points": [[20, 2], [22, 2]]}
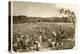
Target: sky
{"points": [[33, 9]]}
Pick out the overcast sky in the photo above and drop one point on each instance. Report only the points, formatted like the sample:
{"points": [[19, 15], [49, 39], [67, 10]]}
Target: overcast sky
{"points": [[40, 9]]}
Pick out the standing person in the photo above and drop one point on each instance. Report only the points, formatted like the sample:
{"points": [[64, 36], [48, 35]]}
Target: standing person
{"points": [[22, 42], [59, 39], [36, 45]]}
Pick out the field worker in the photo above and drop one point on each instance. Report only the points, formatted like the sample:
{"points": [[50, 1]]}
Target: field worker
{"points": [[22, 36], [22, 42], [40, 31], [53, 44], [27, 40], [15, 46], [35, 47], [50, 42], [40, 39], [19, 38], [54, 33], [38, 43], [59, 38], [64, 35]]}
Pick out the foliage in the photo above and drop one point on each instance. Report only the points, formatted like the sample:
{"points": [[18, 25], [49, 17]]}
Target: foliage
{"points": [[70, 14]]}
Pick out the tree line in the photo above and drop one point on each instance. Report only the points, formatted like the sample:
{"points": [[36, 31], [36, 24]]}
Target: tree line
{"points": [[24, 19]]}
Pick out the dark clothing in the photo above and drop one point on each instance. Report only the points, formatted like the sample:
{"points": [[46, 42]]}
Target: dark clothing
{"points": [[22, 43]]}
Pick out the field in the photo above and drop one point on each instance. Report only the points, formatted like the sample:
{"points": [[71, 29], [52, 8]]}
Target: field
{"points": [[31, 32]]}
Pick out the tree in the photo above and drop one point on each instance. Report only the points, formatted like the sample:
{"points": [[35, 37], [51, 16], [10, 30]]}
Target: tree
{"points": [[70, 14]]}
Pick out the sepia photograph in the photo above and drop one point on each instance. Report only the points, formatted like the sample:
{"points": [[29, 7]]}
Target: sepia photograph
{"points": [[38, 26]]}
